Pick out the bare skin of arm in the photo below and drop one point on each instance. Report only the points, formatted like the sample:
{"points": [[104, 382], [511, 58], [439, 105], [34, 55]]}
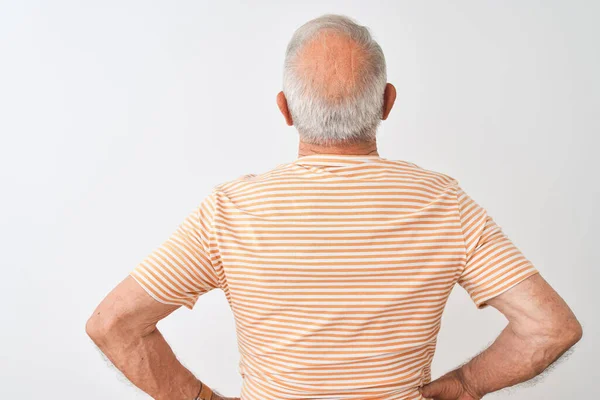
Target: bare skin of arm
{"points": [[541, 327], [123, 326]]}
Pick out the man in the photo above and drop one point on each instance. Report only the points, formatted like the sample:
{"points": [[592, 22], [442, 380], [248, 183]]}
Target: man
{"points": [[337, 265]]}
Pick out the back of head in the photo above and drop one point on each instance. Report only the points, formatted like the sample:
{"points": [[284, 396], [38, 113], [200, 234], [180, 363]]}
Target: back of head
{"points": [[334, 80]]}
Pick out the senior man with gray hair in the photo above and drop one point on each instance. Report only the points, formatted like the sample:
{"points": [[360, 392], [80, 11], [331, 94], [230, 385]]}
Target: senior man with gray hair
{"points": [[337, 265]]}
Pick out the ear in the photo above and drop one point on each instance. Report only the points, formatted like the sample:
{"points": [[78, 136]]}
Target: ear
{"points": [[389, 97], [283, 107]]}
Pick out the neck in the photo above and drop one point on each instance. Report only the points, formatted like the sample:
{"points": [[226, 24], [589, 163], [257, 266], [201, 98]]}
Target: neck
{"points": [[361, 148]]}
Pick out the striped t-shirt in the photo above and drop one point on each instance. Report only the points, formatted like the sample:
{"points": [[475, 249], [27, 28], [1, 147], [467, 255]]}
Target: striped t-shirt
{"points": [[337, 269]]}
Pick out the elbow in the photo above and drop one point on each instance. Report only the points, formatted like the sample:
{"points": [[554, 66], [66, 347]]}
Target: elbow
{"points": [[551, 342], [94, 328], [110, 328], [573, 333], [100, 328], [567, 334]]}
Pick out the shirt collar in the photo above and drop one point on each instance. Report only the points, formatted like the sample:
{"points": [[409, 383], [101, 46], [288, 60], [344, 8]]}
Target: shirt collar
{"points": [[337, 159]]}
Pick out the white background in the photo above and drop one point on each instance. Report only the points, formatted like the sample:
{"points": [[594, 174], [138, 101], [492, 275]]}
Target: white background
{"points": [[117, 118]]}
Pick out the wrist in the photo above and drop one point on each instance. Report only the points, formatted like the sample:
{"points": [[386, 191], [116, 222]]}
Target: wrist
{"points": [[205, 393], [464, 376]]}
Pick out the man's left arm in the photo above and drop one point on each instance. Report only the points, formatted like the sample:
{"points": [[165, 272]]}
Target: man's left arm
{"points": [[123, 326]]}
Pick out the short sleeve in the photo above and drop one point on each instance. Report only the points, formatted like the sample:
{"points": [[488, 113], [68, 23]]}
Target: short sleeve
{"points": [[493, 263], [181, 269]]}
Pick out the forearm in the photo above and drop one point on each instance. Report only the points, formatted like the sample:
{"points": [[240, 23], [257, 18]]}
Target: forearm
{"points": [[148, 361], [514, 357]]}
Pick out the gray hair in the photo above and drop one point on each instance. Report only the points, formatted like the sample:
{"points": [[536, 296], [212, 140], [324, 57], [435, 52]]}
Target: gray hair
{"points": [[354, 118]]}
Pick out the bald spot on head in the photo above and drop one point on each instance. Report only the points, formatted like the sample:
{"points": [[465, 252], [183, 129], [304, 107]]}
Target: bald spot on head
{"points": [[332, 64]]}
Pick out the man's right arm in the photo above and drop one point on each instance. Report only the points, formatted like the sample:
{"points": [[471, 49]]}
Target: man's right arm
{"points": [[541, 327]]}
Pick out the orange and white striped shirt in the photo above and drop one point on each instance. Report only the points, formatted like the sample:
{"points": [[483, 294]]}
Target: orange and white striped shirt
{"points": [[337, 269]]}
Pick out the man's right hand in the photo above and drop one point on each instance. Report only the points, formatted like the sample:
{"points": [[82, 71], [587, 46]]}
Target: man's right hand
{"points": [[447, 387]]}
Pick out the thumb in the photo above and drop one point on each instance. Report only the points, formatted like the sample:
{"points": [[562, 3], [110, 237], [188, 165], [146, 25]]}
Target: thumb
{"points": [[432, 389], [446, 387]]}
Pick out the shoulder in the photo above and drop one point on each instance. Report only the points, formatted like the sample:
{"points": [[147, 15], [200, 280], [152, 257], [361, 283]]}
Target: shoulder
{"points": [[248, 181], [417, 172]]}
